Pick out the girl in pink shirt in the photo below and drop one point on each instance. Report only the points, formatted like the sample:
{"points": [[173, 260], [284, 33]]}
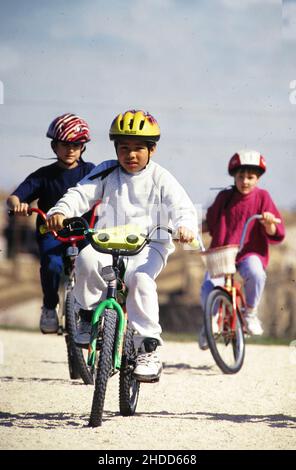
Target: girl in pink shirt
{"points": [[225, 220]]}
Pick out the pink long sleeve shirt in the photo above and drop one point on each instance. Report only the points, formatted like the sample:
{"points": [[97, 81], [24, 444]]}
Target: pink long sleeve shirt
{"points": [[228, 214]]}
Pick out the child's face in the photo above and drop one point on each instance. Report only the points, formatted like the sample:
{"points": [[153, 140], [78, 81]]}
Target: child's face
{"points": [[245, 181], [68, 153], [133, 155]]}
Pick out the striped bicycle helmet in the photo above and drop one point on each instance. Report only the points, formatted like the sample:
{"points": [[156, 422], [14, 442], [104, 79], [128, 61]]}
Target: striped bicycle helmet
{"points": [[69, 128]]}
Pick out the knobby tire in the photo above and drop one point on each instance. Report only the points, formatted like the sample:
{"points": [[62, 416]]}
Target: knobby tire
{"points": [[128, 386], [104, 368]]}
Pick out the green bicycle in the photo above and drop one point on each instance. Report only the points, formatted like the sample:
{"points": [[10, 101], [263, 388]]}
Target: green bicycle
{"points": [[111, 333]]}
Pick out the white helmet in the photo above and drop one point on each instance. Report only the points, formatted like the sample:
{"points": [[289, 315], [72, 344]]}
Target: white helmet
{"points": [[246, 158]]}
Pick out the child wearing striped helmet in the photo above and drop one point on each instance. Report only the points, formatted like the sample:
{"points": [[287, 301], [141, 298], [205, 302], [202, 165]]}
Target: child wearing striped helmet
{"points": [[69, 134]]}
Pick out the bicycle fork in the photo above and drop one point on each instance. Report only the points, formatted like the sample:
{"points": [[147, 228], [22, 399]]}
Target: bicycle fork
{"points": [[230, 287], [109, 303]]}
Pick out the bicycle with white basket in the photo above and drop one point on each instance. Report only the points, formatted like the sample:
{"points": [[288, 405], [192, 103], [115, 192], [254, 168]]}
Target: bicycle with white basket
{"points": [[223, 316]]}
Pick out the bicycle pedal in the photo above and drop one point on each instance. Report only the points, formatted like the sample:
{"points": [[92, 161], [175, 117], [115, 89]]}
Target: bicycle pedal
{"points": [[82, 346]]}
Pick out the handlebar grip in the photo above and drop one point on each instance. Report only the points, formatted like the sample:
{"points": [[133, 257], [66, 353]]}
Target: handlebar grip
{"points": [[276, 220], [195, 244], [43, 229], [11, 212]]}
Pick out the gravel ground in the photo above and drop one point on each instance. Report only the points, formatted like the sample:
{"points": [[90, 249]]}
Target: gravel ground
{"points": [[194, 406]]}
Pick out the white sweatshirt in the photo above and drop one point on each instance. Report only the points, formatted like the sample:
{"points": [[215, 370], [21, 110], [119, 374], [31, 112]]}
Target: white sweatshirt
{"points": [[147, 198]]}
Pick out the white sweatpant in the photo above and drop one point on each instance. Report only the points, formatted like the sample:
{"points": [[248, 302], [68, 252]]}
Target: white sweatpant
{"points": [[142, 300]]}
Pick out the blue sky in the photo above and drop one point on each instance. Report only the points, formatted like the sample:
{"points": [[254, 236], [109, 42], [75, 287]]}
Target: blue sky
{"points": [[216, 74]]}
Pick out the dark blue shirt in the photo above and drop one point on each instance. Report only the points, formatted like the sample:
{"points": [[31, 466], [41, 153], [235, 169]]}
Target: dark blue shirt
{"points": [[49, 183]]}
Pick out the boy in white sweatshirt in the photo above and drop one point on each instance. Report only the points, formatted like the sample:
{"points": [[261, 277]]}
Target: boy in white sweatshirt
{"points": [[134, 190]]}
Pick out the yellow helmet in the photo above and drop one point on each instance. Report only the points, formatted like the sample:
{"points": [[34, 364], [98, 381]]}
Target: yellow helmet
{"points": [[136, 124]]}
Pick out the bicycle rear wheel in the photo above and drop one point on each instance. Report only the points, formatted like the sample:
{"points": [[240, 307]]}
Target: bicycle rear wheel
{"points": [[77, 357], [104, 367], [72, 361], [227, 345], [129, 387]]}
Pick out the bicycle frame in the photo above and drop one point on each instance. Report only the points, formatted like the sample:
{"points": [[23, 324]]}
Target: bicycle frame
{"points": [[109, 303], [234, 290]]}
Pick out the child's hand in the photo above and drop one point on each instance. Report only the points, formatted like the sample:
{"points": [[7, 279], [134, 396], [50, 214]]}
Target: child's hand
{"points": [[269, 221], [21, 208], [18, 207], [184, 235], [55, 222]]}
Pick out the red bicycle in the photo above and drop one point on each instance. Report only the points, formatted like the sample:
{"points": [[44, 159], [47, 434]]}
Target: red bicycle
{"points": [[224, 313], [67, 316]]}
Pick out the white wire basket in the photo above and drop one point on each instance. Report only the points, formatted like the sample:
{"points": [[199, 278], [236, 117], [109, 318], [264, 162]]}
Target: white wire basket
{"points": [[221, 260]]}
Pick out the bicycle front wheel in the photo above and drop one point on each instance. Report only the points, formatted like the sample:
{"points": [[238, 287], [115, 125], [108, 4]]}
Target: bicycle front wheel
{"points": [[104, 367], [129, 386], [224, 332]]}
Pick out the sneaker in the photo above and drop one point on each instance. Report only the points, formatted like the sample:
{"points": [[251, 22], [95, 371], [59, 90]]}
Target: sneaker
{"points": [[148, 365], [202, 339], [253, 324], [82, 335], [49, 320]]}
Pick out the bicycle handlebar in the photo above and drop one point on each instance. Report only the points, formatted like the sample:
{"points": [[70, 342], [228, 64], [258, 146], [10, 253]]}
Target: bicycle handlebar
{"points": [[43, 230], [96, 243], [250, 219]]}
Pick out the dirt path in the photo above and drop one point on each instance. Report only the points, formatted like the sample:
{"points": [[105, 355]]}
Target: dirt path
{"points": [[194, 406]]}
